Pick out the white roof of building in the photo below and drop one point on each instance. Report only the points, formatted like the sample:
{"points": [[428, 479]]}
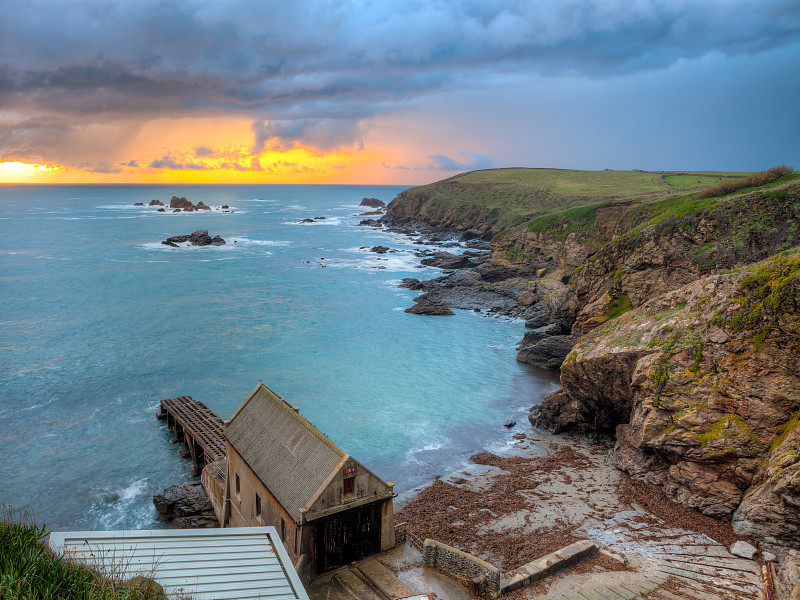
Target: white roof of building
{"points": [[235, 563]]}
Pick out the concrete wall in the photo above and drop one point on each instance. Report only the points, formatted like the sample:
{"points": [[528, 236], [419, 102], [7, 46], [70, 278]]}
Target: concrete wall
{"points": [[243, 504], [213, 480], [461, 564]]}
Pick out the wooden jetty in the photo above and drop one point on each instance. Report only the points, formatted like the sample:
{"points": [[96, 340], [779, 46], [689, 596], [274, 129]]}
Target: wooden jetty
{"points": [[196, 426]]}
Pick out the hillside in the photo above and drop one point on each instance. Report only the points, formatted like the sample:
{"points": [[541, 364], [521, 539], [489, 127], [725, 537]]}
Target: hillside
{"points": [[495, 199]]}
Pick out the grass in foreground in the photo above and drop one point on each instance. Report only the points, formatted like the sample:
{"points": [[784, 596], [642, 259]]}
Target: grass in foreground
{"points": [[30, 570]]}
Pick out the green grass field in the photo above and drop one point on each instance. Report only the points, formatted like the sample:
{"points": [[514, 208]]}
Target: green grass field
{"points": [[572, 183], [687, 181]]}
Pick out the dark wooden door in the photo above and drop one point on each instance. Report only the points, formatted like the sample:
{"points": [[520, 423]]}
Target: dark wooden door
{"points": [[347, 537]]}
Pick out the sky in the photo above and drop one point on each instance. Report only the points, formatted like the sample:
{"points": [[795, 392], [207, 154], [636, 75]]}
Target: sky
{"points": [[390, 91]]}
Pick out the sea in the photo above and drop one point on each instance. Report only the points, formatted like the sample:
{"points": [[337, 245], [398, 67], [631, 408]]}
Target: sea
{"points": [[99, 321]]}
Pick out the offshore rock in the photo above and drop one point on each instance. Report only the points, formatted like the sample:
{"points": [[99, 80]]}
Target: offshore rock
{"points": [[198, 238], [182, 202], [156, 203], [702, 387], [201, 206], [372, 202], [185, 506]]}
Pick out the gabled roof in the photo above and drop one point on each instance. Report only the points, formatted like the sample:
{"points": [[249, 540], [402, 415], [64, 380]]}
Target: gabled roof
{"points": [[287, 453], [213, 564]]}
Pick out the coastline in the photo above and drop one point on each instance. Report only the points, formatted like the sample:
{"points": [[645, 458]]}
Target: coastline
{"points": [[544, 491]]}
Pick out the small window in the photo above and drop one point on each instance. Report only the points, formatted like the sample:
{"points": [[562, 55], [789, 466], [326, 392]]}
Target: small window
{"points": [[348, 485], [237, 484], [283, 530], [258, 505]]}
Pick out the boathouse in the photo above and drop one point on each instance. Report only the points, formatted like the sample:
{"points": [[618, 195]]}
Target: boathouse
{"points": [[328, 509]]}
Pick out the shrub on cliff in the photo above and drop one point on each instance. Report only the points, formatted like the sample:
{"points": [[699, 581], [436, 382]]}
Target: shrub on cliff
{"points": [[755, 180], [29, 569]]}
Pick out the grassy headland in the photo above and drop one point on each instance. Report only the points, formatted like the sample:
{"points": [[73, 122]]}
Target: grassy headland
{"points": [[496, 199]]}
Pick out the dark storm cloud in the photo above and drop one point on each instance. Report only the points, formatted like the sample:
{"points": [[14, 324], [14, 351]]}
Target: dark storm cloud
{"points": [[196, 55], [333, 63]]}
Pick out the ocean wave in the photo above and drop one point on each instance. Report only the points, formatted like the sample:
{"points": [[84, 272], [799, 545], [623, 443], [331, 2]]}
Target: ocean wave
{"points": [[124, 506], [122, 494], [248, 242], [325, 221], [411, 456]]}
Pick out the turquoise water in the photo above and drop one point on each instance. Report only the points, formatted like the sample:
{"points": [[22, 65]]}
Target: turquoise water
{"points": [[98, 321]]}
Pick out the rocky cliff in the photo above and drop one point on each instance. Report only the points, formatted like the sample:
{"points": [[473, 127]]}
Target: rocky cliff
{"points": [[676, 318], [701, 387]]}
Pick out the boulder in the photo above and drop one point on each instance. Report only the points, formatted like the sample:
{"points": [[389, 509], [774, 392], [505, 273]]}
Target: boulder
{"points": [[379, 249], [410, 283], [446, 260], [217, 241], [188, 209], [510, 423], [426, 307], [224, 206], [185, 506], [182, 202], [548, 351], [373, 202], [306, 220], [161, 210], [743, 549], [156, 203], [201, 206]]}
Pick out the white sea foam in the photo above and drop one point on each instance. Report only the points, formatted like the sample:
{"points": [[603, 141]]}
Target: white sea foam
{"points": [[325, 221], [411, 453]]}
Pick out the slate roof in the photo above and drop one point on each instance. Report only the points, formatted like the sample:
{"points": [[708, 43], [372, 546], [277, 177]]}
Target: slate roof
{"points": [[287, 453]]}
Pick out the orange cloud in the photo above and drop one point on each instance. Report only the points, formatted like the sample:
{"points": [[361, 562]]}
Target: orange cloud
{"points": [[207, 150]]}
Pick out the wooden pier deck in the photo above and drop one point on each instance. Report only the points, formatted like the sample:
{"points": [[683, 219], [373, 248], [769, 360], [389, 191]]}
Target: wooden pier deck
{"points": [[196, 426]]}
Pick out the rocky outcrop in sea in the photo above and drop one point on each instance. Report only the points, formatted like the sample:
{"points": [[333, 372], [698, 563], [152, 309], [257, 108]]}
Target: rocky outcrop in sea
{"points": [[198, 238]]}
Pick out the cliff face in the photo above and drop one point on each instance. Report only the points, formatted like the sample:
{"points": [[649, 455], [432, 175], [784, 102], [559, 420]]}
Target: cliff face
{"points": [[702, 388]]}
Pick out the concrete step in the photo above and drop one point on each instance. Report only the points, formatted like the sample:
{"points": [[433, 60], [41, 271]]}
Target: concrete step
{"points": [[355, 585], [383, 578]]}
